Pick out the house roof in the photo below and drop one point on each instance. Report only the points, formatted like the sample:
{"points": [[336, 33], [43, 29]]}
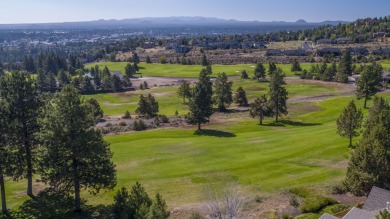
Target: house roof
{"points": [[328, 216], [357, 213], [377, 199]]}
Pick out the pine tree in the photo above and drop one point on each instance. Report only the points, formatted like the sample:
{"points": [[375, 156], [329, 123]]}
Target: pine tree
{"points": [[277, 94], [350, 122], [296, 66], [148, 60], [158, 209], [383, 215], [95, 109], [116, 83], [244, 74], [260, 108], [63, 78], [147, 106], [19, 91], [204, 61], [129, 70], [259, 72], [209, 70], [271, 68], [223, 95], [135, 58], [369, 83], [240, 97], [201, 102], [76, 156], [345, 67], [184, 90]]}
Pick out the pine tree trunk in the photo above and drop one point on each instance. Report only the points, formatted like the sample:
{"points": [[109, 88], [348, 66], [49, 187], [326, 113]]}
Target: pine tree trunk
{"points": [[29, 169], [365, 101], [77, 200], [350, 141], [4, 209], [198, 125], [261, 119]]}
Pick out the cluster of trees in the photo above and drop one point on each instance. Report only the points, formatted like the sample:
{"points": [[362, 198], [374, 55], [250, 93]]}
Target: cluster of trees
{"points": [[369, 163], [331, 72], [147, 106], [51, 136], [276, 103]]}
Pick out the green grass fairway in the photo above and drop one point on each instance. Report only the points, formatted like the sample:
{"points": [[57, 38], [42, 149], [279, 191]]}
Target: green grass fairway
{"points": [[115, 104], [175, 70]]}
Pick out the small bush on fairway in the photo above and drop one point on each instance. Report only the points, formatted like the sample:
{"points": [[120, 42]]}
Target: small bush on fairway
{"points": [[127, 115], [139, 125]]}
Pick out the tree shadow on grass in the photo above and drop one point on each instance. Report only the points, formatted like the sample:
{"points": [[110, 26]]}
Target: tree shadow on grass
{"points": [[48, 204], [214, 133], [283, 123]]}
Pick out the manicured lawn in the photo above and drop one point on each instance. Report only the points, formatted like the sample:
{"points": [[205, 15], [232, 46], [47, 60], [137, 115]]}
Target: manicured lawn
{"points": [[175, 70]]}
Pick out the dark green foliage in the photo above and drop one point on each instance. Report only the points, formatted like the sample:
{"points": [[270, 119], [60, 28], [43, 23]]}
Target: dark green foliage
{"points": [[383, 215], [296, 66], [209, 69], [141, 86], [184, 90], [240, 97], [129, 70], [204, 61], [139, 125], [46, 81], [148, 59], [271, 68], [277, 94], [369, 163], [259, 72], [260, 108], [244, 74], [127, 115], [158, 209], [107, 84], [345, 67], [314, 204], [146, 86], [63, 78], [120, 207], [147, 106], [163, 60], [87, 87], [201, 102], [22, 107], [223, 95], [135, 66], [95, 109], [350, 122], [136, 58], [76, 157], [116, 83], [369, 82]]}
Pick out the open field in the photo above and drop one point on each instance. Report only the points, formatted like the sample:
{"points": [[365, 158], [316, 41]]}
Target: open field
{"points": [[175, 70]]}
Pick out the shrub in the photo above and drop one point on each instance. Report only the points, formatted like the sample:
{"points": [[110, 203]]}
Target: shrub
{"points": [[287, 216], [176, 113], [294, 201], [314, 204], [123, 123], [308, 216], [127, 115], [146, 86], [163, 118], [339, 189], [301, 192], [259, 199], [139, 125], [156, 121], [334, 209], [141, 86], [108, 124]]}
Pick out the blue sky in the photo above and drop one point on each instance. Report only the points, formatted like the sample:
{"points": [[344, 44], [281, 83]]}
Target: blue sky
{"points": [[38, 11]]}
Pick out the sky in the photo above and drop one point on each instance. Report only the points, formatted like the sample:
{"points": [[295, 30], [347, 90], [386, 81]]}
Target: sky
{"points": [[47, 11]]}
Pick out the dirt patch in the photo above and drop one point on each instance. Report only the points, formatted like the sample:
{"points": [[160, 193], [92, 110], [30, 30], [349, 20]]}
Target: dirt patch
{"points": [[255, 88]]}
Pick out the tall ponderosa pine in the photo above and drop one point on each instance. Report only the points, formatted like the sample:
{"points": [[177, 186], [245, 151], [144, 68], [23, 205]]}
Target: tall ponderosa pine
{"points": [[350, 122], [184, 90], [223, 95], [204, 61], [11, 163], [129, 71], [201, 102], [370, 82], [240, 97], [76, 156], [260, 108], [259, 72], [19, 91], [345, 67], [370, 162], [271, 68], [147, 106], [277, 94]]}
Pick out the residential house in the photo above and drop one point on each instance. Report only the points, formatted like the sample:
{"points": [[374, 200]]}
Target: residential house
{"points": [[324, 41], [295, 52], [377, 201], [274, 52], [358, 51]]}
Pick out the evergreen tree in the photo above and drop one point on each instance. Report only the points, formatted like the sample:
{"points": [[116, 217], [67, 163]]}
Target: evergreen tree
{"points": [[383, 215], [136, 68], [148, 59], [271, 68], [116, 83], [345, 67], [135, 58], [19, 91], [259, 72], [296, 66], [106, 72], [76, 156], [209, 69], [370, 82], [95, 109], [204, 61], [260, 108], [87, 86], [147, 106], [106, 84], [129, 71], [139, 202], [158, 209], [223, 95], [277, 94], [121, 205], [184, 90], [244, 74], [350, 122], [240, 97], [201, 102], [63, 78]]}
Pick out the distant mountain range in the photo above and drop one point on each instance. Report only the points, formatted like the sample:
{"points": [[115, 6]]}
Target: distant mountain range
{"points": [[164, 21]]}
